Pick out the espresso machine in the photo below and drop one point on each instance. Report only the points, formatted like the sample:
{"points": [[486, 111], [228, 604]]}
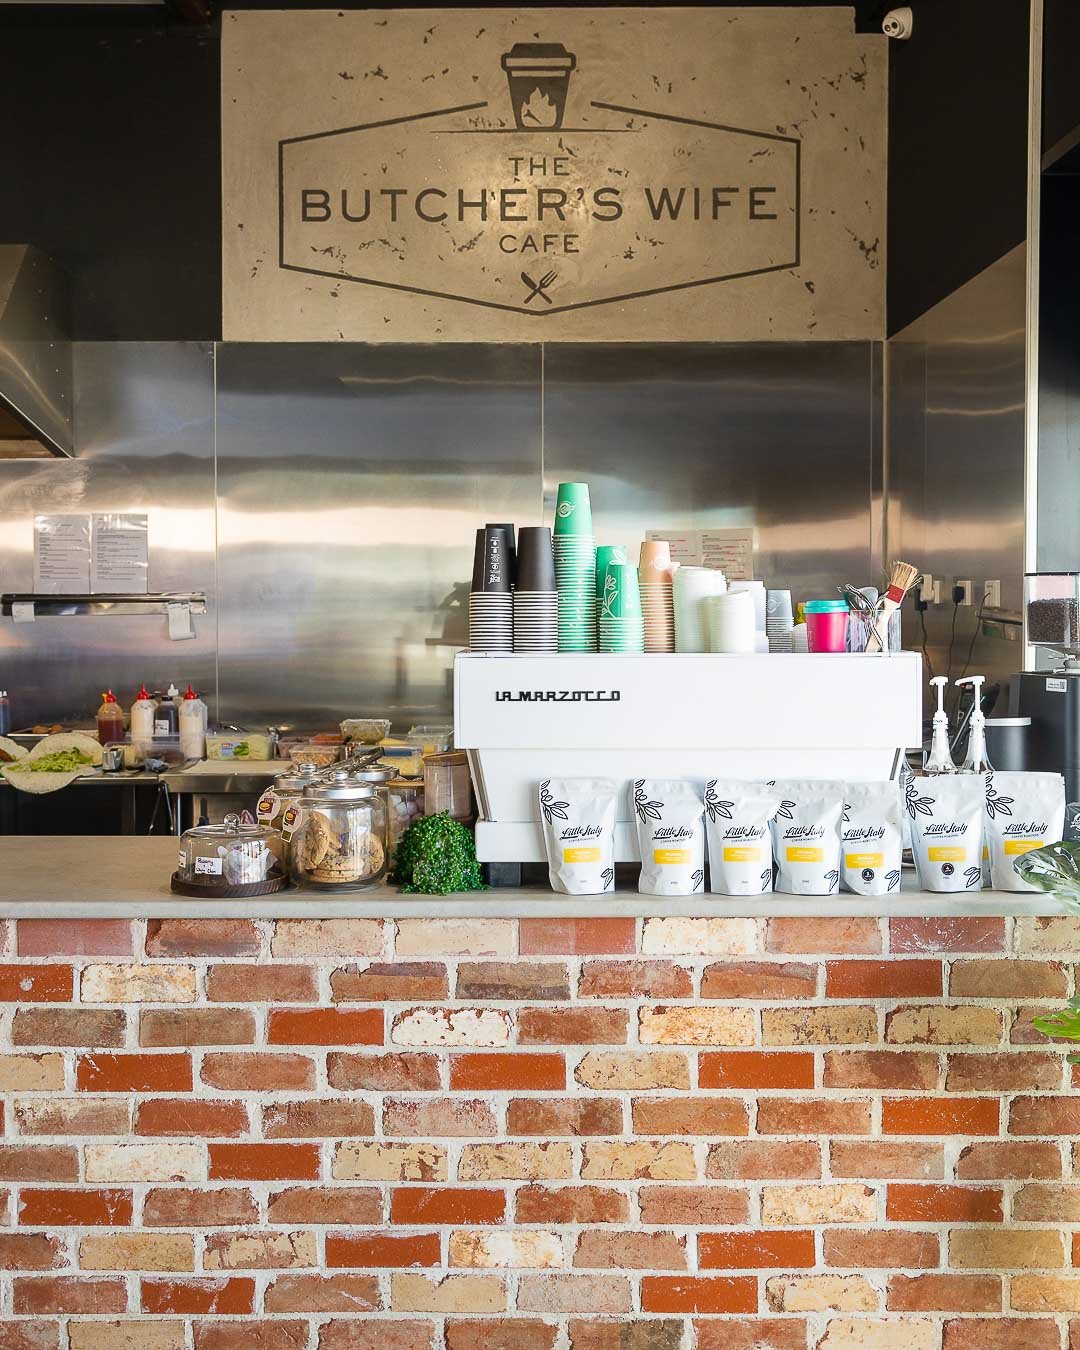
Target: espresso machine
{"points": [[522, 718], [1051, 696]]}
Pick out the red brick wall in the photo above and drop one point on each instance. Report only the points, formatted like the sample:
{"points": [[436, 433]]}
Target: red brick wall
{"points": [[727, 1134]]}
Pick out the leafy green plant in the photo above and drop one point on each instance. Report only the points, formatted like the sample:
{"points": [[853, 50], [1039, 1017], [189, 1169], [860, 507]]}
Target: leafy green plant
{"points": [[437, 856], [1056, 868], [1062, 1025]]}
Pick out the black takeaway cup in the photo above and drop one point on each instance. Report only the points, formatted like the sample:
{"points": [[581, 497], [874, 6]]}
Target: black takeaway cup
{"points": [[495, 578], [535, 563], [511, 548], [478, 563]]}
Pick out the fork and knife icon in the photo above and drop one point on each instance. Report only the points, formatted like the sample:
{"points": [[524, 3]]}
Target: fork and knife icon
{"points": [[539, 288]]}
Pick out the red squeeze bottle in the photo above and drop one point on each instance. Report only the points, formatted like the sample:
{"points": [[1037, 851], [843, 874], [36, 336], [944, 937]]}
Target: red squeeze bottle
{"points": [[110, 719]]}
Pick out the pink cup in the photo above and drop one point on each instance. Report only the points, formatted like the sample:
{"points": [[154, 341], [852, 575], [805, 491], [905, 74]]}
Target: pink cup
{"points": [[827, 632]]}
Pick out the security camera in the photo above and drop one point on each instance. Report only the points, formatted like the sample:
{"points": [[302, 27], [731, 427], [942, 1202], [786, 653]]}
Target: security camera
{"points": [[898, 23]]}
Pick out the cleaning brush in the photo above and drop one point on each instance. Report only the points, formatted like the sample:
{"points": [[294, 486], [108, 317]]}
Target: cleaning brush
{"points": [[901, 579]]}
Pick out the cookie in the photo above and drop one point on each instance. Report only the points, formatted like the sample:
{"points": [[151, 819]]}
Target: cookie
{"points": [[314, 842], [358, 863]]}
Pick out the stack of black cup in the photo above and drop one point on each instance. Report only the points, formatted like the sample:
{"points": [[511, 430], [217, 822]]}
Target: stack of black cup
{"points": [[536, 601], [491, 615]]}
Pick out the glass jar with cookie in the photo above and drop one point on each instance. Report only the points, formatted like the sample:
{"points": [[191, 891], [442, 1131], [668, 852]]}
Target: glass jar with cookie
{"points": [[340, 840]]}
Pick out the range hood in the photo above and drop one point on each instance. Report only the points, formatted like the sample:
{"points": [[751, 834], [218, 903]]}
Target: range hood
{"points": [[35, 356]]}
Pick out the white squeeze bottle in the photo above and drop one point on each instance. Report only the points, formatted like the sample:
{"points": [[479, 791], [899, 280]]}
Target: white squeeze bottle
{"points": [[142, 719], [193, 717]]}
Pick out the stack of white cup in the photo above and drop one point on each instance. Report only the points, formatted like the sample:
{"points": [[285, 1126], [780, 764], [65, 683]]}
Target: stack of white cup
{"points": [[779, 620], [692, 587], [731, 622]]}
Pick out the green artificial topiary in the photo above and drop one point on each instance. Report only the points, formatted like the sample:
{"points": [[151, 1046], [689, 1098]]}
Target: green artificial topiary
{"points": [[437, 856]]}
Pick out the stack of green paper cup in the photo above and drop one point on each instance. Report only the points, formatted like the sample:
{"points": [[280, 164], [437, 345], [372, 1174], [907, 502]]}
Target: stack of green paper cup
{"points": [[605, 554], [575, 568], [621, 625]]}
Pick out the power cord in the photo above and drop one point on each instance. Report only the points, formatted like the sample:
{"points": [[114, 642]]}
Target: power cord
{"points": [[974, 635], [952, 633], [921, 607]]}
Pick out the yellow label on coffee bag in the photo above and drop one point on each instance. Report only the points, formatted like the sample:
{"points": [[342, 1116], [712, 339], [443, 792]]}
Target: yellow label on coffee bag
{"points": [[947, 853], [671, 856], [742, 853], [1015, 846], [580, 855], [806, 855], [857, 861]]}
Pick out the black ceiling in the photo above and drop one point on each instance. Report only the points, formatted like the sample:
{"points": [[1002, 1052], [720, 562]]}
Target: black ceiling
{"points": [[868, 13]]}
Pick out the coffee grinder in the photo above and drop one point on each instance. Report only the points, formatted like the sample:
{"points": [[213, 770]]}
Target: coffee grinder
{"points": [[1051, 697]]}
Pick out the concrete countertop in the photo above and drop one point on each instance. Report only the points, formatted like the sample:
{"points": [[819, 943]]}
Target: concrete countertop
{"points": [[51, 876]]}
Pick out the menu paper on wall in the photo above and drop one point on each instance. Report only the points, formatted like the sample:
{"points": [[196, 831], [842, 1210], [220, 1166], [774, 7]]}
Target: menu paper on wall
{"points": [[61, 555], [732, 551], [729, 550], [120, 554]]}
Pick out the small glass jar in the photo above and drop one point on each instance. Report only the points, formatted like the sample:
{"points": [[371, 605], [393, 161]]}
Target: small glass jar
{"points": [[405, 804], [340, 841], [278, 805], [287, 787], [230, 854], [448, 786]]}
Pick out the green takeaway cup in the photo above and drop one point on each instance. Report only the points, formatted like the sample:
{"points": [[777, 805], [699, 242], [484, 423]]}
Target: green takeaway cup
{"points": [[573, 511], [605, 554], [622, 598]]}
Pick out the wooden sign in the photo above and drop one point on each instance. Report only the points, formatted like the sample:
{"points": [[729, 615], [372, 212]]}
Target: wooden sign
{"points": [[516, 175]]}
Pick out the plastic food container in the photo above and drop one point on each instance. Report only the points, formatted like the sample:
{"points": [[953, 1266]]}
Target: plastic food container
{"points": [[319, 753], [433, 738], [239, 745], [339, 841], [365, 730], [448, 785], [230, 857], [1052, 609], [827, 625], [407, 761], [166, 748]]}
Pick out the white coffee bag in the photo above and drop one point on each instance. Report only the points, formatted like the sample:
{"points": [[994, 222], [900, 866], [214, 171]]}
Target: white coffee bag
{"points": [[806, 836], [578, 817], [1024, 811], [873, 838], [946, 814], [737, 824], [671, 836]]}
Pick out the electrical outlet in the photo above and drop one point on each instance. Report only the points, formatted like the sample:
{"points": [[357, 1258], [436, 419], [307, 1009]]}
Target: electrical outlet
{"points": [[936, 594], [992, 594], [964, 586], [926, 589]]}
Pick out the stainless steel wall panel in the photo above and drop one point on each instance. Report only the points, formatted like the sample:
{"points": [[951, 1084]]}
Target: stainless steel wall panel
{"points": [[775, 436], [144, 442], [956, 460], [351, 481], [35, 348], [328, 509]]}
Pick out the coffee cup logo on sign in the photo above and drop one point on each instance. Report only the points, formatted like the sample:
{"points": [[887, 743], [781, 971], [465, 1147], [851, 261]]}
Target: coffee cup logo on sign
{"points": [[539, 77], [568, 202]]}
